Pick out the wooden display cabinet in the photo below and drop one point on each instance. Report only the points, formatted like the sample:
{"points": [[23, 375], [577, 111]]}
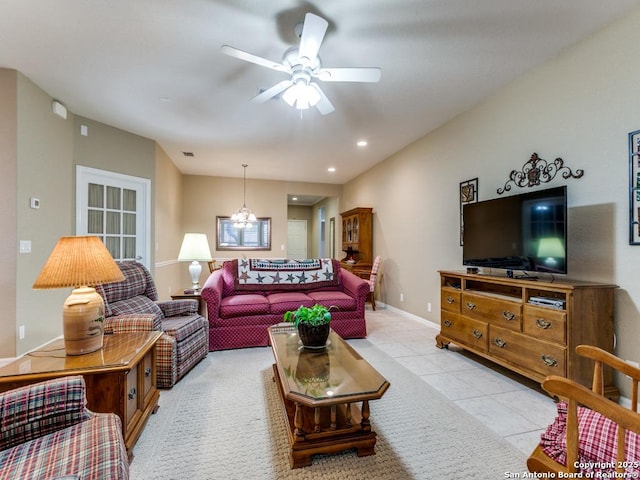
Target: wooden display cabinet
{"points": [[357, 238], [502, 319]]}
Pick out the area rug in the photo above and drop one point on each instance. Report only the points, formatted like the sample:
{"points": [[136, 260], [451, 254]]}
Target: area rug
{"points": [[224, 421]]}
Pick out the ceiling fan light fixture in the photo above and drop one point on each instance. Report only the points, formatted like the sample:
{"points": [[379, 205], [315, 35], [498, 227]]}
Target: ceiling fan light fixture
{"points": [[301, 95]]}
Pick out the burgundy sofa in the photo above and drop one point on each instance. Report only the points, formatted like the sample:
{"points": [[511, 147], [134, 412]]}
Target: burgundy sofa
{"points": [[245, 296]]}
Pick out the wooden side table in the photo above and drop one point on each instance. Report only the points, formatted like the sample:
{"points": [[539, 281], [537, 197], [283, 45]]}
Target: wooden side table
{"points": [[202, 304], [120, 378]]}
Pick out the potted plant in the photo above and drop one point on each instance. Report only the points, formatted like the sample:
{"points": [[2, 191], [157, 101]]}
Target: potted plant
{"points": [[312, 324]]}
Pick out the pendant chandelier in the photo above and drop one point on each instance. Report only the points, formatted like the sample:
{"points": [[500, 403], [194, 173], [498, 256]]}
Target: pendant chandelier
{"points": [[243, 217]]}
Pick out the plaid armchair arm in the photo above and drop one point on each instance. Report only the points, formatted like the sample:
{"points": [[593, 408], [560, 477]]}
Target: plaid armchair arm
{"points": [[139, 322], [175, 308], [33, 411]]}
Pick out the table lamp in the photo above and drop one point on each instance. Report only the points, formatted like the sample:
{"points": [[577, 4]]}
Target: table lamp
{"points": [[79, 262], [194, 249]]}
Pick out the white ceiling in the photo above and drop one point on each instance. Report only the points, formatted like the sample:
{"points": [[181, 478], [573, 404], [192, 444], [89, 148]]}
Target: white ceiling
{"points": [[154, 68]]}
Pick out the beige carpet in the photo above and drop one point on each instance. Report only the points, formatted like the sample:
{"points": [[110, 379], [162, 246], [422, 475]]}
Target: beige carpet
{"points": [[223, 421]]}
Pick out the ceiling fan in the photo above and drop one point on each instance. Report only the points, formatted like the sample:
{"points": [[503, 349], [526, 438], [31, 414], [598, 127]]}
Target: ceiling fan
{"points": [[303, 65]]}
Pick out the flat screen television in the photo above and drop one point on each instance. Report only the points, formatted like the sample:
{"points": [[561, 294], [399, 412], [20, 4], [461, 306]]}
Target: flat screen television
{"points": [[525, 232]]}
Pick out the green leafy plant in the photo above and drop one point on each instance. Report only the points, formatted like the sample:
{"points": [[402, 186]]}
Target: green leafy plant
{"points": [[316, 315]]}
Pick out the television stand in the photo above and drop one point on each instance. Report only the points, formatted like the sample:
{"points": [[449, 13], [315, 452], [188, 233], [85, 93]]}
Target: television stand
{"points": [[503, 320]]}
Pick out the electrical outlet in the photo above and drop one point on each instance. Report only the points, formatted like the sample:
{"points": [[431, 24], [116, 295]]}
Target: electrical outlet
{"points": [[428, 306], [402, 297], [21, 332]]}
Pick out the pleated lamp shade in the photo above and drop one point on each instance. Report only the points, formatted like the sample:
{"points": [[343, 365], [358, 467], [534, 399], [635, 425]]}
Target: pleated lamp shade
{"points": [[79, 262]]}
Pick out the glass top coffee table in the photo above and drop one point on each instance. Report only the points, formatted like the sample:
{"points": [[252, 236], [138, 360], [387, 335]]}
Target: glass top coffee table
{"points": [[325, 394]]}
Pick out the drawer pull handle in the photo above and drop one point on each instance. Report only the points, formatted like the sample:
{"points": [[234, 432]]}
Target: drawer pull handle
{"points": [[471, 305], [498, 342], [477, 333], [450, 300], [132, 393], [549, 361], [147, 372], [542, 323], [507, 315], [447, 323]]}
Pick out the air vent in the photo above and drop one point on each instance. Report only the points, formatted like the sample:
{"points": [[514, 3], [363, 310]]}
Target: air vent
{"points": [[188, 154]]}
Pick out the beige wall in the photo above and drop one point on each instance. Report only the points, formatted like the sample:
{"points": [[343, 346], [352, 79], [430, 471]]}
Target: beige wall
{"points": [[168, 228], [206, 197], [579, 106], [45, 163], [8, 208]]}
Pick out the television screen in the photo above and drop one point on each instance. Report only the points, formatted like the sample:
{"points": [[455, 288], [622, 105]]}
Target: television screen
{"points": [[522, 232]]}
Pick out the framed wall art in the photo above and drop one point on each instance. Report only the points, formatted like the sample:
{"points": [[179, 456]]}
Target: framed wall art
{"points": [[634, 188], [468, 194]]}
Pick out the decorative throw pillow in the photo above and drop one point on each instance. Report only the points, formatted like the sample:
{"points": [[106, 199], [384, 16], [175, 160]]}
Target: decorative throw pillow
{"points": [[596, 442]]}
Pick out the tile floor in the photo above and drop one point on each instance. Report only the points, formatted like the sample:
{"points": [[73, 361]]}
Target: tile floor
{"points": [[509, 404]]}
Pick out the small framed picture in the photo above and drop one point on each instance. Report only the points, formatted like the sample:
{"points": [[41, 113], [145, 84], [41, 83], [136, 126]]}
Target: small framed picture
{"points": [[634, 188], [468, 194]]}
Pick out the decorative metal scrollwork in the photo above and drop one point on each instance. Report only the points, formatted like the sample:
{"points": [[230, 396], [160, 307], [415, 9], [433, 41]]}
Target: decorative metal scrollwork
{"points": [[536, 171]]}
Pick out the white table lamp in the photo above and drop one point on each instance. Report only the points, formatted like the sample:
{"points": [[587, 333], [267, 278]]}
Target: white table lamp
{"points": [[194, 249]]}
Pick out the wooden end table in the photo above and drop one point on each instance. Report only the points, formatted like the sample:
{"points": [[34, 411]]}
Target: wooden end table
{"points": [[120, 378], [202, 303], [325, 395]]}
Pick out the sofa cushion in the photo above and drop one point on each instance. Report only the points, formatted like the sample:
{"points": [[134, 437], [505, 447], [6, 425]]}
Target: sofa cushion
{"points": [[341, 300], [90, 449], [279, 303], [241, 305], [228, 279], [597, 441], [183, 327], [137, 304]]}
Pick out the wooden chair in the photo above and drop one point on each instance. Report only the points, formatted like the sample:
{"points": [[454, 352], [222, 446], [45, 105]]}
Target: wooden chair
{"points": [[577, 395], [373, 279]]}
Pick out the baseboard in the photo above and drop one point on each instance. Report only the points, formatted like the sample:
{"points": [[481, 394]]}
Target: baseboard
{"points": [[424, 321]]}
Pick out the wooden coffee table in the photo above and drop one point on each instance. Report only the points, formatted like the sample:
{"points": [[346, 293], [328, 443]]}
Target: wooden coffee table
{"points": [[120, 377], [325, 394]]}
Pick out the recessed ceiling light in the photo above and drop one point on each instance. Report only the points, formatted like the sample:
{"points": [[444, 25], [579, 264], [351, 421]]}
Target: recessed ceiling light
{"points": [[331, 169], [362, 143]]}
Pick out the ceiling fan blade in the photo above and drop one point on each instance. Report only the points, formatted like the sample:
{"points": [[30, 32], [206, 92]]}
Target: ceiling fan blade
{"points": [[365, 74], [249, 57], [272, 92], [313, 32], [324, 106]]}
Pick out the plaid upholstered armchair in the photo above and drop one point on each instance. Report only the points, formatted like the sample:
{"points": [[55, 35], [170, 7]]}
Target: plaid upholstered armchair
{"points": [[46, 431], [132, 305]]}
